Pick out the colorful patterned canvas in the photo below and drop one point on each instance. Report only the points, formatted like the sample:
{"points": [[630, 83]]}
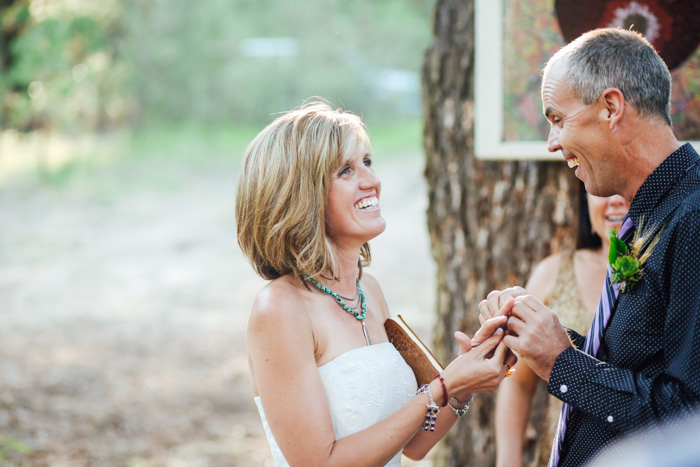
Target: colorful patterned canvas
{"points": [[533, 33]]}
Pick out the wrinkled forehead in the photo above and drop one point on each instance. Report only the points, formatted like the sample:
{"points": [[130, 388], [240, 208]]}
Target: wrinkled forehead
{"points": [[555, 86], [555, 69]]}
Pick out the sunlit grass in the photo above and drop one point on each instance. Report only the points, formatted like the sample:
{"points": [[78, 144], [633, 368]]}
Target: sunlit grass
{"points": [[198, 141], [52, 157], [59, 160], [192, 141]]}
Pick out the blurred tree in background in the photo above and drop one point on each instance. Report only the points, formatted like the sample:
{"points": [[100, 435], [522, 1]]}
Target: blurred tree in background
{"points": [[14, 17], [81, 65], [58, 64], [489, 221]]}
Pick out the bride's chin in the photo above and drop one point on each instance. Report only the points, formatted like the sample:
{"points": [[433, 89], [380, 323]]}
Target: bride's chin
{"points": [[380, 231], [375, 228]]}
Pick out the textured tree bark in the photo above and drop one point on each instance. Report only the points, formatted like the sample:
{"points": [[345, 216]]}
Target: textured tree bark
{"points": [[489, 221]]}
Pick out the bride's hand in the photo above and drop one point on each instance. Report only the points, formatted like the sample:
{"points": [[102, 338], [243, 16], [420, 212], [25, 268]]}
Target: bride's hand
{"points": [[483, 333], [475, 370], [465, 344]]}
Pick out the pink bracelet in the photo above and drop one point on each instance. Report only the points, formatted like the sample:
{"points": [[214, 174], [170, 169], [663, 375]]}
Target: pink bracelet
{"points": [[444, 390]]}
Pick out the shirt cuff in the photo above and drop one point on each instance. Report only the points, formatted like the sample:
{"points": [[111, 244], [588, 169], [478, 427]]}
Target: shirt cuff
{"points": [[569, 374]]}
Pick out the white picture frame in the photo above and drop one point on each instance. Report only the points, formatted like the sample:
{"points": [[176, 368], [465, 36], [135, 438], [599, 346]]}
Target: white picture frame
{"points": [[488, 92]]}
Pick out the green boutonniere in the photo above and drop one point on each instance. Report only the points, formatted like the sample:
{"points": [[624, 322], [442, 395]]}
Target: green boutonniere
{"points": [[625, 261]]}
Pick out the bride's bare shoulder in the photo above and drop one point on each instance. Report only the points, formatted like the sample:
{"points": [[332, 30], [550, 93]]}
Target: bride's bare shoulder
{"points": [[278, 305], [279, 321]]}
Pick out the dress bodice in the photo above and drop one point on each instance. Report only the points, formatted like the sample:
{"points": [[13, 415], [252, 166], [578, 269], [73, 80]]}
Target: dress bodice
{"points": [[363, 386], [565, 299]]}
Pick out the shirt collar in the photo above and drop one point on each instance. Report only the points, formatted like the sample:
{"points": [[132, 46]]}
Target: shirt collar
{"points": [[661, 180]]}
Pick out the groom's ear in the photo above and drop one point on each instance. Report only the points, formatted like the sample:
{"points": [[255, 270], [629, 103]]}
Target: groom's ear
{"points": [[612, 108]]}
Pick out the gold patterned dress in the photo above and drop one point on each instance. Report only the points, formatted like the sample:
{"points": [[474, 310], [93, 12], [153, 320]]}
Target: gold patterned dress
{"points": [[566, 302]]}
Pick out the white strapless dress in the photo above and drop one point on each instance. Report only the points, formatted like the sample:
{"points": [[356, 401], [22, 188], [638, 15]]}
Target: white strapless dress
{"points": [[363, 387]]}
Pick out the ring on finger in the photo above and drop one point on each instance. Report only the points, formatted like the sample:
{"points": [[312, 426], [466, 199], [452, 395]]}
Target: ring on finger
{"points": [[510, 370]]}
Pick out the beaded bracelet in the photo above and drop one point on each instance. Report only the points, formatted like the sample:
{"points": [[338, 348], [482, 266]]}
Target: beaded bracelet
{"points": [[444, 390], [433, 409], [460, 408]]}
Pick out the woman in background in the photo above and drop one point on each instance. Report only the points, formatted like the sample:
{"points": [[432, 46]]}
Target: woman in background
{"points": [[570, 284], [330, 388]]}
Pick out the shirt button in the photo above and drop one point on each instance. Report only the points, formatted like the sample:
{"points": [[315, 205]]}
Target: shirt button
{"points": [[563, 388], [610, 419]]}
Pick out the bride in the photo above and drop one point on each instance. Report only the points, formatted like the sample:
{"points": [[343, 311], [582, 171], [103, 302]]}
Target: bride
{"points": [[330, 388]]}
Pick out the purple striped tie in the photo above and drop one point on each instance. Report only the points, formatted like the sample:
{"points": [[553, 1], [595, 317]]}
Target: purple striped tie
{"points": [[595, 334]]}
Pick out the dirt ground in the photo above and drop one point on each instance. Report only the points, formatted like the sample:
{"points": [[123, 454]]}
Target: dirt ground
{"points": [[123, 307]]}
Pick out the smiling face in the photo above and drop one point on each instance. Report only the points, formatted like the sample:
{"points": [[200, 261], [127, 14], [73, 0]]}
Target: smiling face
{"points": [[353, 216], [581, 132], [606, 213]]}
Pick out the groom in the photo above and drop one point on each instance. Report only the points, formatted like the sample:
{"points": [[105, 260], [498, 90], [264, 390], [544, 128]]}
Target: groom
{"points": [[607, 98]]}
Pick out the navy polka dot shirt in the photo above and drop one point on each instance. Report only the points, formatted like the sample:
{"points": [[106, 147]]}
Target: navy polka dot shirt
{"points": [[648, 367]]}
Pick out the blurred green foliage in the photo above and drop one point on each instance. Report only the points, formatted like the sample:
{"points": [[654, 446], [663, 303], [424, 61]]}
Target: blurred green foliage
{"points": [[85, 65], [57, 64], [10, 447]]}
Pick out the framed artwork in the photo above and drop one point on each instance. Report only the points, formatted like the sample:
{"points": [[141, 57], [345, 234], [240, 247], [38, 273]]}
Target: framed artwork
{"points": [[515, 38]]}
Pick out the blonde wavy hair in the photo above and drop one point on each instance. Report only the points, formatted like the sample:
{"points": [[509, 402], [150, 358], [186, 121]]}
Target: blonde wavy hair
{"points": [[283, 186]]}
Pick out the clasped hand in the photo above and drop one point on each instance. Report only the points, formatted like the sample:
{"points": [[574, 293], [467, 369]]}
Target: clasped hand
{"points": [[534, 332], [481, 363]]}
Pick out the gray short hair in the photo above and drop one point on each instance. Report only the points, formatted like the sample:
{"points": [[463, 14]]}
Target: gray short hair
{"points": [[622, 59]]}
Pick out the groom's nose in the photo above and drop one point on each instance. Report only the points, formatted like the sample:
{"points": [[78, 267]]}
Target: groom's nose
{"points": [[553, 139]]}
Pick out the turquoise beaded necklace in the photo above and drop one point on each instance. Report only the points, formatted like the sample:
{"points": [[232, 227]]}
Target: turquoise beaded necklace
{"points": [[359, 315]]}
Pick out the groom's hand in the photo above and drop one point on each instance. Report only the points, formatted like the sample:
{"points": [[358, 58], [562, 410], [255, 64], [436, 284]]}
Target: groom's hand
{"points": [[536, 335]]}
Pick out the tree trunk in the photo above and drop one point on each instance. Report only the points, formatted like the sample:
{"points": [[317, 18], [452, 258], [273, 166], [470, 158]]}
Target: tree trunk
{"points": [[489, 221]]}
